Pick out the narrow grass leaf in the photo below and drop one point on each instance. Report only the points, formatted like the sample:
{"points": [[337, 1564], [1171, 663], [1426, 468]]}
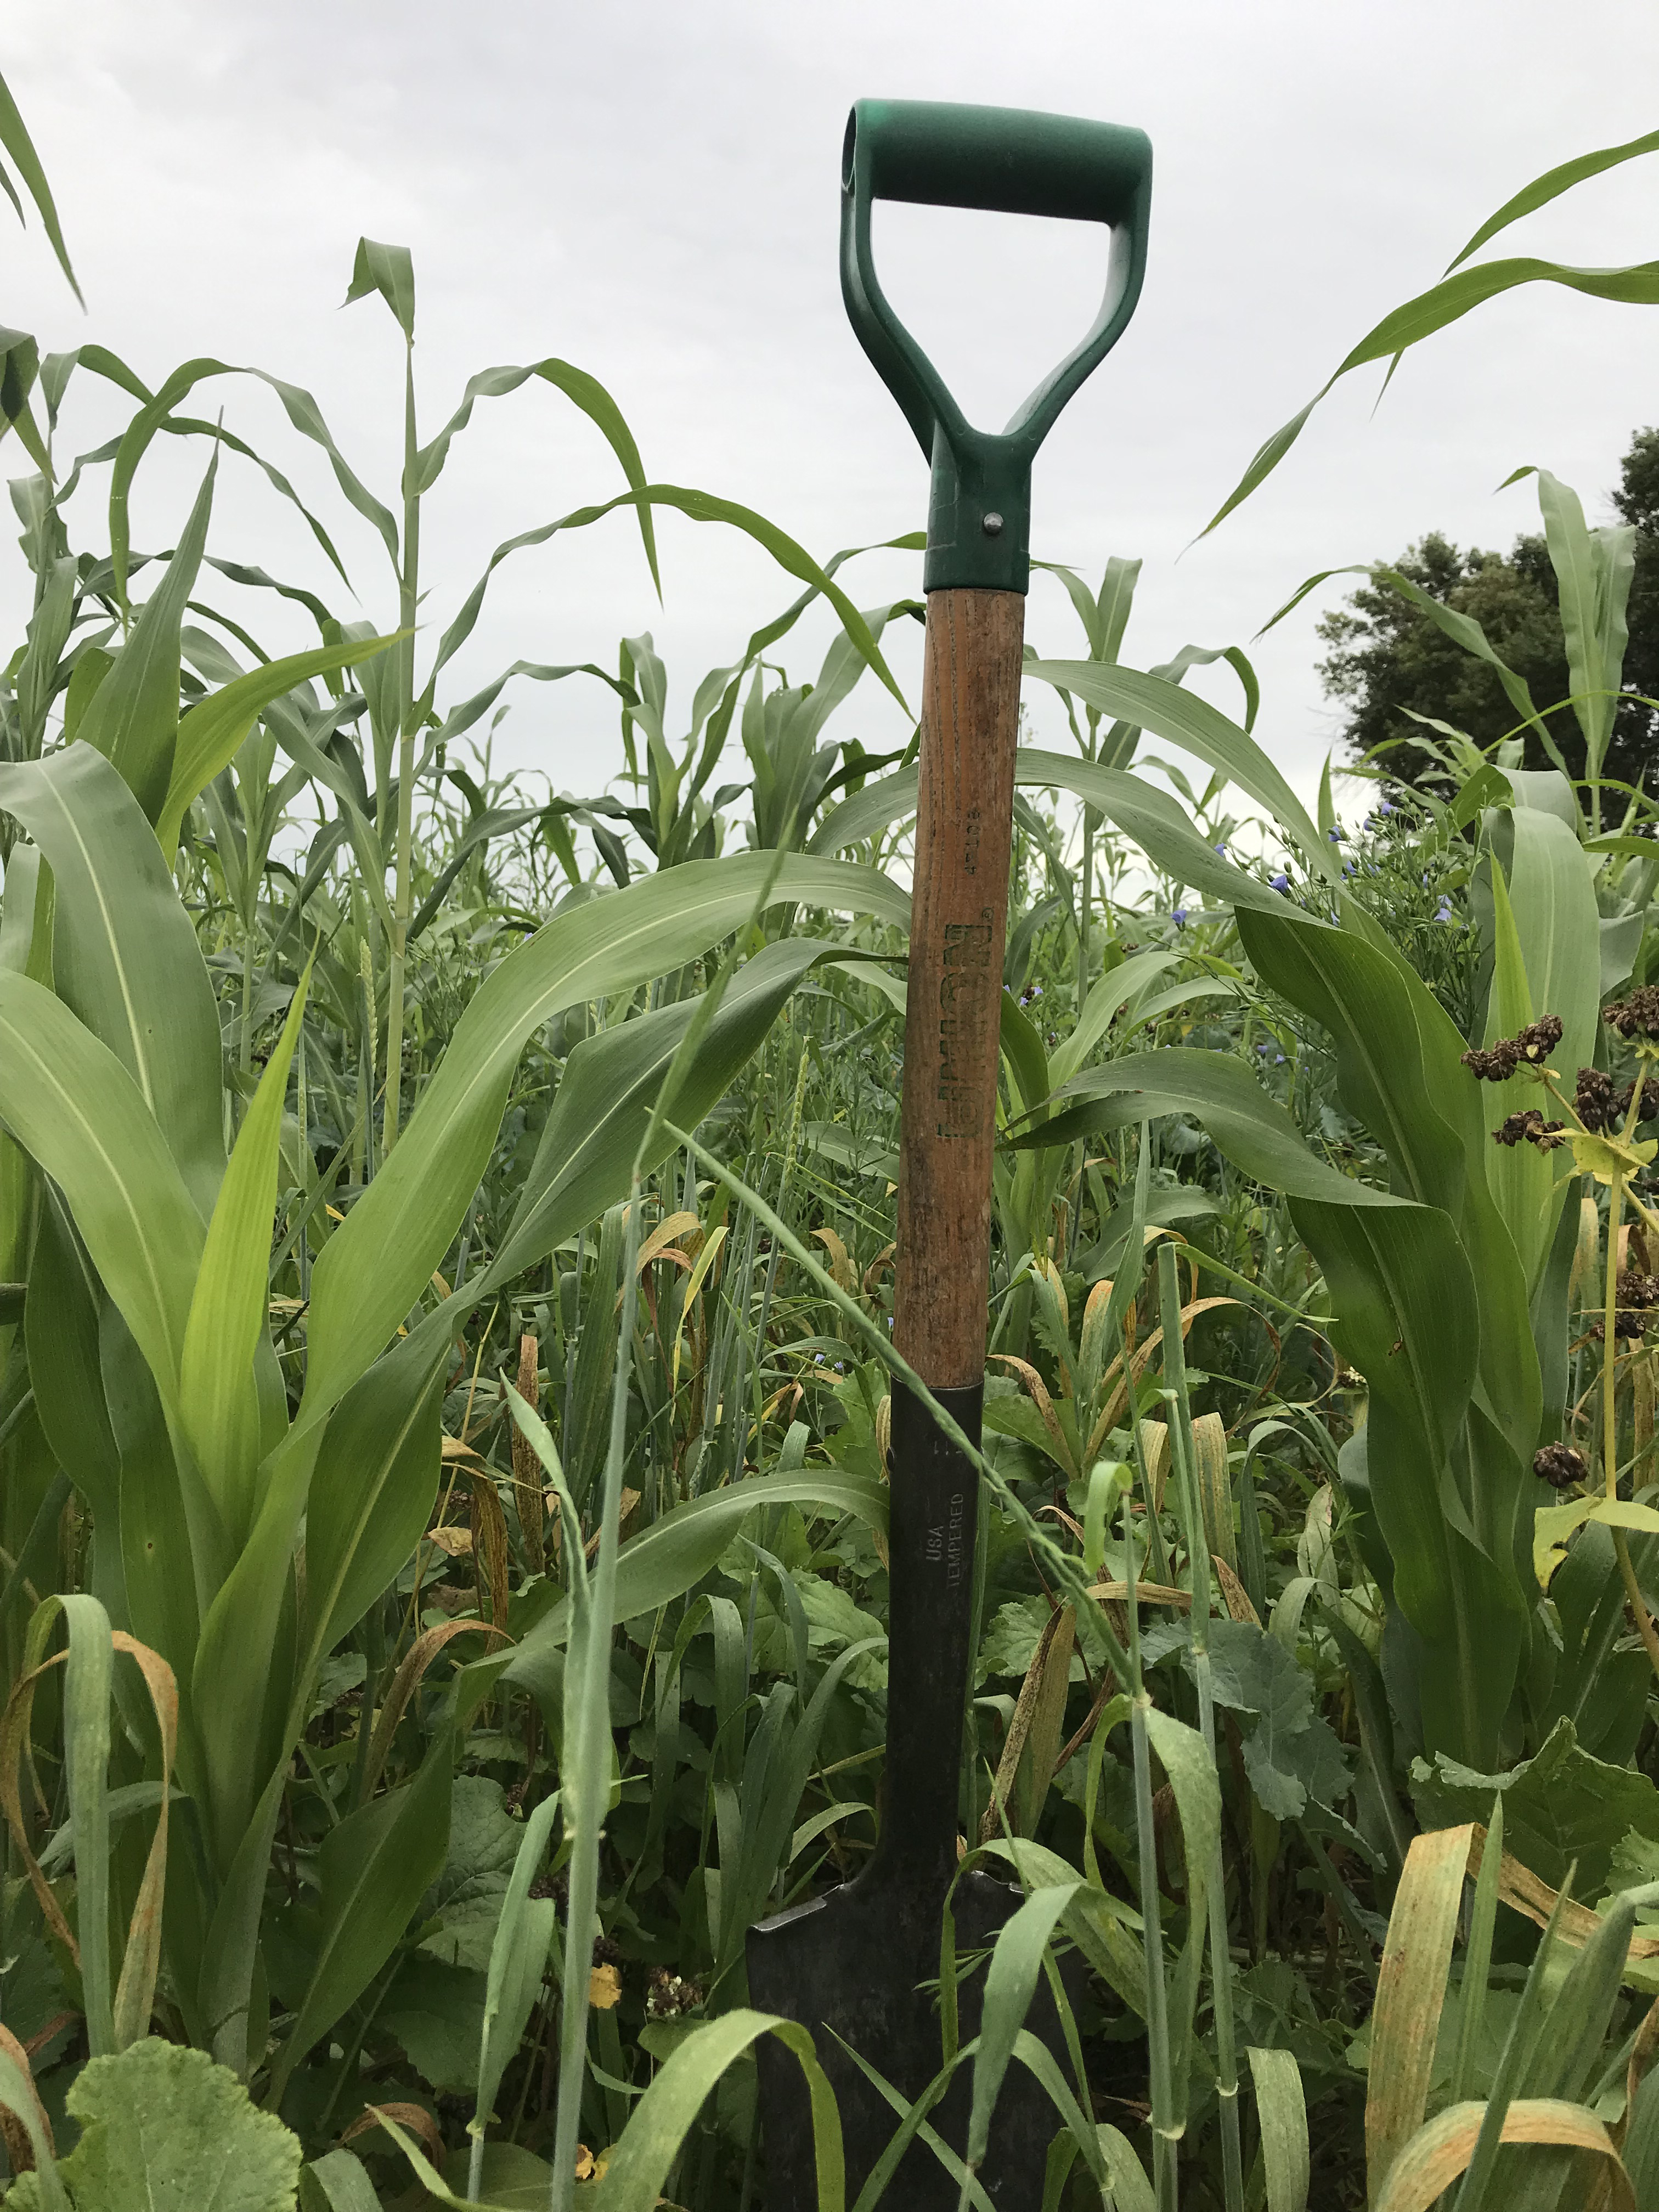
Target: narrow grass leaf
{"points": [[1282, 2111], [525, 1933], [133, 721], [1476, 1959], [659, 2124], [85, 1749], [1010, 1985], [1411, 1990]]}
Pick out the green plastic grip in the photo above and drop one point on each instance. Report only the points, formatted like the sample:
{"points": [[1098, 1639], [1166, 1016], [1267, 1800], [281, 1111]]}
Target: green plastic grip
{"points": [[1017, 163]]}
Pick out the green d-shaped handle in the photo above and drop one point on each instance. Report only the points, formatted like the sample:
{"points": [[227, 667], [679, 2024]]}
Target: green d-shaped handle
{"points": [[1019, 162]]}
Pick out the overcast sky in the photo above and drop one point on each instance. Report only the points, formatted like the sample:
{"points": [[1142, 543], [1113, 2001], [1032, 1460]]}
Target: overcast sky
{"points": [[650, 190]]}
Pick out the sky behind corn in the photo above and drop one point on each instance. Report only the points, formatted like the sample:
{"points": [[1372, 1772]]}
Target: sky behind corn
{"points": [[651, 190]]}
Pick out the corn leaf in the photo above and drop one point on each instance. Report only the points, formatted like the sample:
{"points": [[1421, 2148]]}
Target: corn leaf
{"points": [[1445, 303], [133, 719], [219, 1404], [127, 959], [373, 1868], [78, 1113], [377, 1263]]}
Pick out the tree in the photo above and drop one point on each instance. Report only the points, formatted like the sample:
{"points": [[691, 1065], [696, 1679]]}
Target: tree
{"points": [[1387, 656], [1636, 501]]}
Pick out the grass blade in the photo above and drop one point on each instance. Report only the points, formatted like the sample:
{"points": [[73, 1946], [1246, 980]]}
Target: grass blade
{"points": [[1411, 1990]]}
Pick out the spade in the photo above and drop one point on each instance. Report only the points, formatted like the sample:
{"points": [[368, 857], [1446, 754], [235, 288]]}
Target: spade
{"points": [[855, 1965]]}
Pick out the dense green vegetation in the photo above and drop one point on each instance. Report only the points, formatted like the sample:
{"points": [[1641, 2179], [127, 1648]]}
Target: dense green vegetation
{"points": [[444, 1271]]}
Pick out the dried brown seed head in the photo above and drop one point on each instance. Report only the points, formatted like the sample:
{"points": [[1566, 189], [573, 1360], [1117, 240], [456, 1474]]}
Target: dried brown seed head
{"points": [[1638, 1015], [1558, 1465], [1529, 1128], [1595, 1101]]}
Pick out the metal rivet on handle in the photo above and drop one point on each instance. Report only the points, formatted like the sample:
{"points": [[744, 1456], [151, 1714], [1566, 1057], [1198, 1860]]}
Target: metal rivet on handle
{"points": [[991, 526]]}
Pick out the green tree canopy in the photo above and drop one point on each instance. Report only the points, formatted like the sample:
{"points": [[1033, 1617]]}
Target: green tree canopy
{"points": [[1387, 661]]}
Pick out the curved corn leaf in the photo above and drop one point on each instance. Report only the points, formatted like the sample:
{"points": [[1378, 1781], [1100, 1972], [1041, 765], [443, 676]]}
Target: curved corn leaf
{"points": [[218, 1399], [586, 392], [1445, 303], [126, 958], [15, 137], [601, 1108], [373, 1868], [211, 734], [698, 507], [1550, 185], [372, 1490], [640, 2161], [80, 1115], [1181, 718], [377, 1263], [389, 270]]}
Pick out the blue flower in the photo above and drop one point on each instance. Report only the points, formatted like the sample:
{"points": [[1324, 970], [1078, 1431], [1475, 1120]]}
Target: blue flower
{"points": [[840, 1368], [1179, 917], [1279, 1060], [1222, 847], [1385, 806], [818, 1359], [1334, 835], [1445, 913], [1263, 1049], [1281, 882]]}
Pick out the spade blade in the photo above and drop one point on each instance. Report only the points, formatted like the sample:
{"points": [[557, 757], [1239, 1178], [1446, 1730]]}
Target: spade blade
{"points": [[861, 1968]]}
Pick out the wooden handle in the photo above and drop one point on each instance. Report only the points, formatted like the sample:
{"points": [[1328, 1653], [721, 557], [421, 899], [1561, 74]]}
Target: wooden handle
{"points": [[964, 822]]}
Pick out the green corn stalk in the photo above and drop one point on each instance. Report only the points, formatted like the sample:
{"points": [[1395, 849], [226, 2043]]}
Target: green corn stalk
{"points": [[1214, 1876], [1166, 2133]]}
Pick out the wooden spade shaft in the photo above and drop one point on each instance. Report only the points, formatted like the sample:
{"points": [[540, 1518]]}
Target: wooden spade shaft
{"points": [[965, 814], [959, 914], [855, 1965]]}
